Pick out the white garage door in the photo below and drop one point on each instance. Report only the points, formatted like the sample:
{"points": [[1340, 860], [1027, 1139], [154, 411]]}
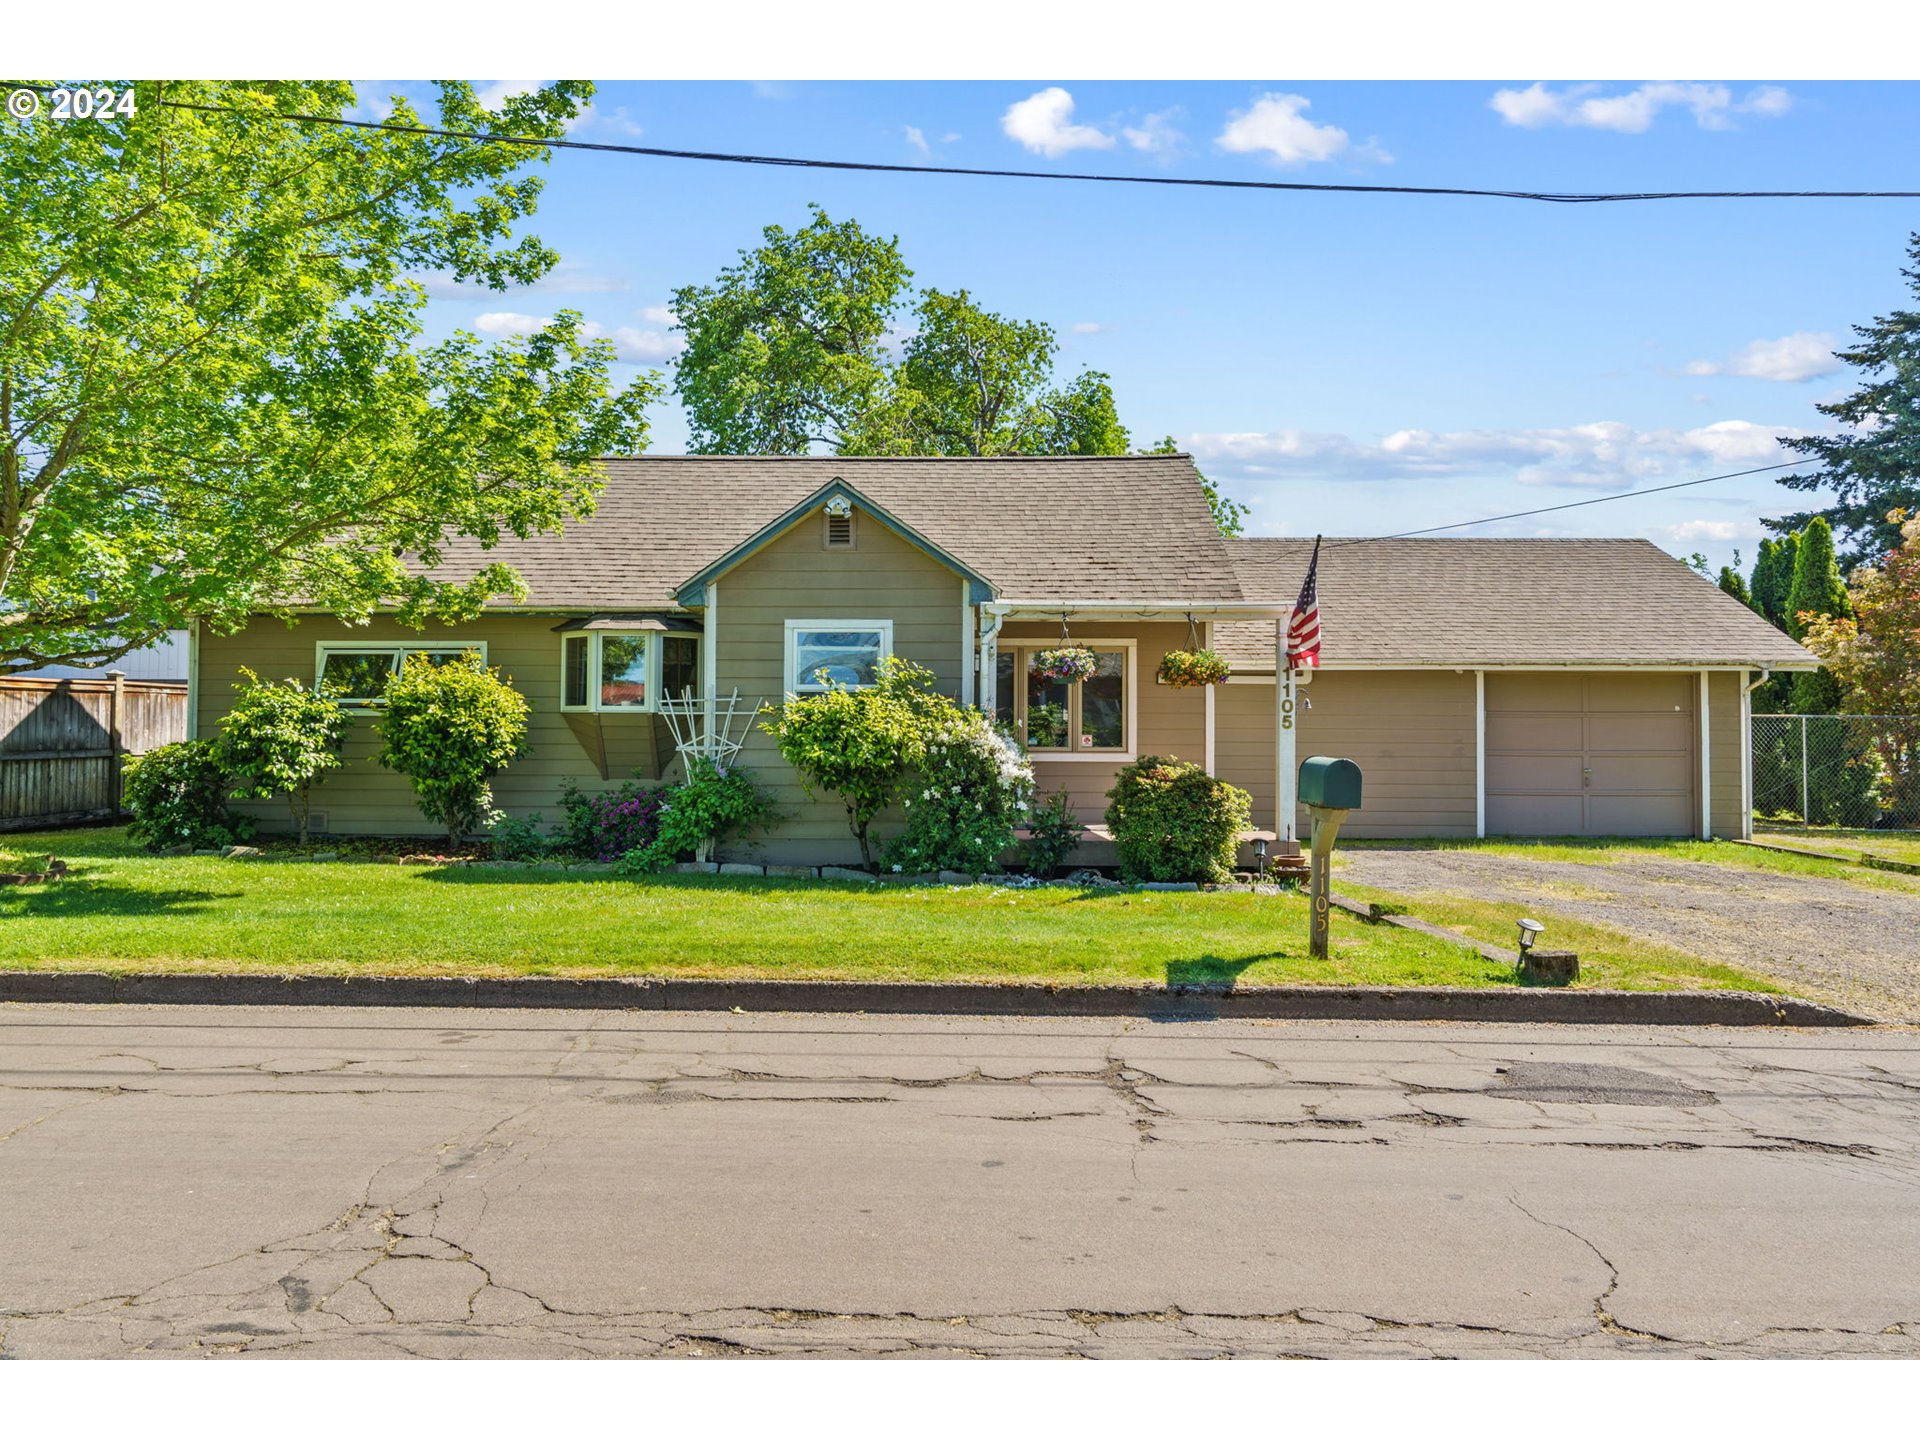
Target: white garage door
{"points": [[1596, 754]]}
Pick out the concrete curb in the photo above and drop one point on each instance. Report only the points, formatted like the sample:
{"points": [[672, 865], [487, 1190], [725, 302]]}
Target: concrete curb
{"points": [[1279, 1002], [1839, 857]]}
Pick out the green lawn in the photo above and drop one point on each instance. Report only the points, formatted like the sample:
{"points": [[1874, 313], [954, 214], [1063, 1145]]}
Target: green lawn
{"points": [[124, 910]]}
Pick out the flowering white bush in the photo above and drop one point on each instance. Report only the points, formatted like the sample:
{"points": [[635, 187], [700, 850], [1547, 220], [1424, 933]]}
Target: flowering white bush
{"points": [[974, 786]]}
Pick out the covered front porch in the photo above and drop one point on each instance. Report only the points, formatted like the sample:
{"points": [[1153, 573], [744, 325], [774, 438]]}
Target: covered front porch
{"points": [[1080, 733]]}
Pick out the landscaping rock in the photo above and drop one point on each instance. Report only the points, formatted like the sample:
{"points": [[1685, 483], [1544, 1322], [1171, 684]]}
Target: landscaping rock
{"points": [[592, 867], [177, 850], [243, 852], [794, 872], [922, 877], [694, 867], [207, 851], [1084, 878], [321, 857], [1169, 885], [954, 877], [733, 868], [840, 872]]}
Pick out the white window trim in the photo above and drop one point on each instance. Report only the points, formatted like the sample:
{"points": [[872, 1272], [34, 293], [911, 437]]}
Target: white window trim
{"points": [[1124, 756], [323, 648], [656, 659], [791, 664]]}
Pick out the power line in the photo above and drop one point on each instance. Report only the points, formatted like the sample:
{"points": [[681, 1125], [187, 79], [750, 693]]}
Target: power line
{"points": [[1570, 505], [797, 162]]}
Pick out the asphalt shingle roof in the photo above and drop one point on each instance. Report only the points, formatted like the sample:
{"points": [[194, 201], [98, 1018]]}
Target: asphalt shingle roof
{"points": [[1124, 527], [1501, 602]]}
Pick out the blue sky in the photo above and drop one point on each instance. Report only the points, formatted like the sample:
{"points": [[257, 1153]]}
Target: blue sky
{"points": [[1346, 364]]}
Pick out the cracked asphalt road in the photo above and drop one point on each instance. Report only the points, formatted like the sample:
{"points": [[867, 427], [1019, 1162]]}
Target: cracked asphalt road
{"points": [[335, 1182], [1822, 937]]}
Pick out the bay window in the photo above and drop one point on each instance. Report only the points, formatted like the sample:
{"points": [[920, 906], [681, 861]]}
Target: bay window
{"points": [[626, 670]]}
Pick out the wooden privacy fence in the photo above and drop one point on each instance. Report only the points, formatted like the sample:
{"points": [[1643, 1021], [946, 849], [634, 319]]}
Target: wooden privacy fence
{"points": [[62, 741]]}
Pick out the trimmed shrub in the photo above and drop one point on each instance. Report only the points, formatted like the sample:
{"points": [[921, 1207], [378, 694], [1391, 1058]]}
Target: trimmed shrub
{"points": [[512, 837], [281, 739], [1052, 833], [450, 728], [1172, 821], [710, 808], [974, 788], [606, 824], [859, 744], [177, 795]]}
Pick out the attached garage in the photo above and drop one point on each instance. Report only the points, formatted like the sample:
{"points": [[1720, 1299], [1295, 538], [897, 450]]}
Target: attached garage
{"points": [[1505, 687], [1598, 753]]}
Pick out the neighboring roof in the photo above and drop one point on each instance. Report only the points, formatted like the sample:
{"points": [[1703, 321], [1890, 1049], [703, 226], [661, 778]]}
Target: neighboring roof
{"points": [[1488, 603], [1122, 527], [694, 590]]}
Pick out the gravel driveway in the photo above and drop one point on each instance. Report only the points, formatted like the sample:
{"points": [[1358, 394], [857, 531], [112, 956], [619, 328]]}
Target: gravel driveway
{"points": [[1827, 939]]}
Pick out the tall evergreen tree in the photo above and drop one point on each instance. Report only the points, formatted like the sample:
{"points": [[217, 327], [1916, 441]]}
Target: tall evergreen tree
{"points": [[1773, 577], [1873, 466], [1732, 584], [1817, 590]]}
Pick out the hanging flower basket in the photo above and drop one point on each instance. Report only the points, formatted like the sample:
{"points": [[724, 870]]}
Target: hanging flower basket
{"points": [[1069, 663], [1190, 669]]}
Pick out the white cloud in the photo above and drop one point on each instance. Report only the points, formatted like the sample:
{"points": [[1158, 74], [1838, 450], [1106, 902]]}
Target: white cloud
{"points": [[1605, 453], [917, 138], [1273, 125], [1632, 112], [1803, 355], [1156, 134], [1043, 122], [1086, 327], [658, 315], [617, 121], [636, 346], [1722, 532]]}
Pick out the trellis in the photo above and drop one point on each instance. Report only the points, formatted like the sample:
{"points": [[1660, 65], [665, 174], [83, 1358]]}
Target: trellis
{"points": [[711, 729]]}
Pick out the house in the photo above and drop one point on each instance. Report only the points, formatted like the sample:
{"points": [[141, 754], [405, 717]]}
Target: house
{"points": [[1485, 686]]}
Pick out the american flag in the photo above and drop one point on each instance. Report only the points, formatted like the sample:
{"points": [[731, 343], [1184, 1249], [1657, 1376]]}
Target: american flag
{"points": [[1303, 630]]}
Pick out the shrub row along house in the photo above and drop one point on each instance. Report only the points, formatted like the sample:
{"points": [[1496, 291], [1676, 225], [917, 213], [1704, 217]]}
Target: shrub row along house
{"points": [[1528, 687]]}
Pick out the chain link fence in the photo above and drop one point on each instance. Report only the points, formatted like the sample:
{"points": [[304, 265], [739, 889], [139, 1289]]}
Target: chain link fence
{"points": [[1848, 771]]}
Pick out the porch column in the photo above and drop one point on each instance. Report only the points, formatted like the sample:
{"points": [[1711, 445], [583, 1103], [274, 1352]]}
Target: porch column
{"points": [[989, 659], [1286, 737]]}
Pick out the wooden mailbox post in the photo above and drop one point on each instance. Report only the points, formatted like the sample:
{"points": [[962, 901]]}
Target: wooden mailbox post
{"points": [[1329, 788]]}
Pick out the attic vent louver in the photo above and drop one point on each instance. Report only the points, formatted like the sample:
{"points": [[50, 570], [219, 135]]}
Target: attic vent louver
{"points": [[839, 534]]}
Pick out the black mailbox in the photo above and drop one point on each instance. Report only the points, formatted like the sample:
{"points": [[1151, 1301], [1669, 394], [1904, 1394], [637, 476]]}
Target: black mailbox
{"points": [[1331, 783]]}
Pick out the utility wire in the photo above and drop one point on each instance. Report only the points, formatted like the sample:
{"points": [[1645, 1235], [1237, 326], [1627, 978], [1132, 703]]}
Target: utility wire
{"points": [[796, 162], [1570, 505]]}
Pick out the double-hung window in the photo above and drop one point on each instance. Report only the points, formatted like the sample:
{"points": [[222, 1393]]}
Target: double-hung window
{"points": [[358, 671], [829, 654], [626, 670], [1068, 717]]}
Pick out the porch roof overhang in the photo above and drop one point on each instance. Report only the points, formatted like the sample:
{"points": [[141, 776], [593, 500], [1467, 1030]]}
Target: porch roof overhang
{"points": [[1137, 609]]}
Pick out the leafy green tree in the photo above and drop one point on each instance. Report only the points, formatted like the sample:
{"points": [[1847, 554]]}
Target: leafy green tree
{"points": [[450, 728], [1873, 465], [1817, 591], [975, 383], [787, 349], [215, 393], [1731, 584], [281, 740], [859, 744]]}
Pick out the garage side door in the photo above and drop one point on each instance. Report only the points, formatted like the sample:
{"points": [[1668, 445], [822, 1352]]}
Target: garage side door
{"points": [[1591, 754]]}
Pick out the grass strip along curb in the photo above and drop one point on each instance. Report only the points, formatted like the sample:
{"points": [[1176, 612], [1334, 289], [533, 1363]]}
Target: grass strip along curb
{"points": [[1278, 1002], [1843, 857]]}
